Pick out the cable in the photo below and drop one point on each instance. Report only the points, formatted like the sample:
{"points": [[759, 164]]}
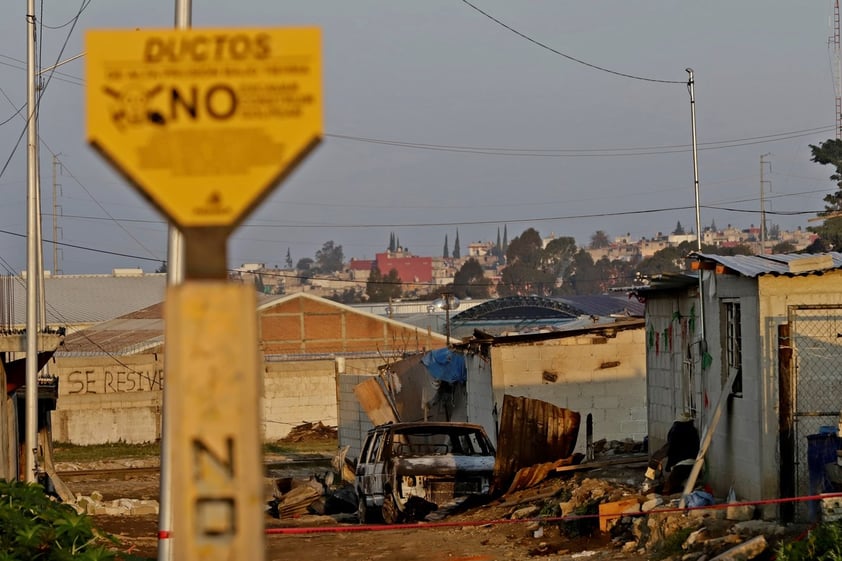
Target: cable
{"points": [[69, 78], [13, 115], [585, 152], [68, 22], [568, 57], [33, 110], [74, 246]]}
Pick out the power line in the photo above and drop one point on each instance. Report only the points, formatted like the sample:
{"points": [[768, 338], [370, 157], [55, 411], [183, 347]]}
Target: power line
{"points": [[568, 57], [585, 152], [72, 20]]}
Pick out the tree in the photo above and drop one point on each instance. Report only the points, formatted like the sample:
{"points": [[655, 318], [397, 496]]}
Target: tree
{"points": [[558, 256], [470, 281], [667, 260], [830, 152], [288, 262], [497, 250], [304, 264], [784, 247], [347, 296], [457, 253], [679, 229], [446, 250], [329, 258], [581, 276], [380, 288], [524, 273], [392, 245], [599, 240]]}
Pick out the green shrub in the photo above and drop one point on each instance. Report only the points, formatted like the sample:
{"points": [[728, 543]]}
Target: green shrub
{"points": [[32, 526], [671, 545], [824, 543]]}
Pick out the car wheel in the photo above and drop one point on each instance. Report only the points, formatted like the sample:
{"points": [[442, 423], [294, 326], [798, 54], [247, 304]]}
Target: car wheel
{"points": [[362, 509], [391, 514]]}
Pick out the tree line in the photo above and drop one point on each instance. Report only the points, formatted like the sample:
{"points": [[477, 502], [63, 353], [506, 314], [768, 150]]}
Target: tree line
{"points": [[561, 268]]}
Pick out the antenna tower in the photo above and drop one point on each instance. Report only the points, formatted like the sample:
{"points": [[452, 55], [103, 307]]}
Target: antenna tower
{"points": [[833, 44]]}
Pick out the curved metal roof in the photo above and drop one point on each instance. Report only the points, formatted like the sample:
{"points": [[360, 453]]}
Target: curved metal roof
{"points": [[541, 307]]}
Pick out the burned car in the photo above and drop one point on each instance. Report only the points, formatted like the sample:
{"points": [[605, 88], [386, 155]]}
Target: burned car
{"points": [[406, 470]]}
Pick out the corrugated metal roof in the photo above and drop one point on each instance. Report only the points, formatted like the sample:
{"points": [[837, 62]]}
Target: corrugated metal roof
{"points": [[776, 264], [87, 299]]}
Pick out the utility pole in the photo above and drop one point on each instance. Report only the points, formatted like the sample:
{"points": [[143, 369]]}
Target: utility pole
{"points": [[31, 432], [56, 211], [835, 48], [763, 232], [175, 276], [691, 90]]}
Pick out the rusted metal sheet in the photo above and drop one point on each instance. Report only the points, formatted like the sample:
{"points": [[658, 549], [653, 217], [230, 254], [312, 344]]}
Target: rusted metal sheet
{"points": [[374, 402], [532, 432]]}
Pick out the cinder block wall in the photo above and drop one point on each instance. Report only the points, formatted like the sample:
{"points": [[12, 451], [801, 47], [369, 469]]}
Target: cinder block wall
{"points": [[353, 423], [102, 400], [297, 392], [590, 374]]}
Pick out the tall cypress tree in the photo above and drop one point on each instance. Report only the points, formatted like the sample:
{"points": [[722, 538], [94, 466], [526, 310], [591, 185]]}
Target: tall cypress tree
{"points": [[392, 241], [498, 249], [446, 252], [505, 247], [457, 253]]}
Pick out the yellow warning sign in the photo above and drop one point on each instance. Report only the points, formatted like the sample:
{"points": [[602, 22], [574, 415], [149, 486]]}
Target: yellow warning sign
{"points": [[204, 122]]}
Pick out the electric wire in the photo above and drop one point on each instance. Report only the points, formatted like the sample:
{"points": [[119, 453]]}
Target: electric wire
{"points": [[568, 57], [585, 152], [68, 22]]}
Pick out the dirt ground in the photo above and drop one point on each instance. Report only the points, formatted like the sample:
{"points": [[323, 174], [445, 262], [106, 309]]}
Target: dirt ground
{"points": [[474, 541]]}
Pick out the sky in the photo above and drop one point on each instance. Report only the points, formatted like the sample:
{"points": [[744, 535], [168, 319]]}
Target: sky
{"points": [[567, 117]]}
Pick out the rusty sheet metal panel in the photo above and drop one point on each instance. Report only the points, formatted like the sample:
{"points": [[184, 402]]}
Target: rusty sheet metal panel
{"points": [[374, 402], [532, 432]]}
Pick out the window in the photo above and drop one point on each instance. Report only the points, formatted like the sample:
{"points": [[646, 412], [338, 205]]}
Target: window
{"points": [[732, 346]]}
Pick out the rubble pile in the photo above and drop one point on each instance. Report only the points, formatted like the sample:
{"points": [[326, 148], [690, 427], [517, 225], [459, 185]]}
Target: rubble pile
{"points": [[310, 431], [645, 525], [93, 504]]}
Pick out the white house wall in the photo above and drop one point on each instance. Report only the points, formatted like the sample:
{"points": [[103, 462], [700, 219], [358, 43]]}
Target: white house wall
{"points": [[739, 451], [601, 376], [673, 382], [745, 446]]}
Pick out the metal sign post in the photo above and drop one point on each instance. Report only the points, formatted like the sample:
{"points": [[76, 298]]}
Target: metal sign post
{"points": [[204, 123]]}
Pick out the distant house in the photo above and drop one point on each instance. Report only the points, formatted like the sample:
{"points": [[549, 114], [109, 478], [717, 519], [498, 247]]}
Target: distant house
{"points": [[411, 269], [764, 338]]}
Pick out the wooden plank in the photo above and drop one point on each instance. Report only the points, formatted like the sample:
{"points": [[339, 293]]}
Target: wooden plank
{"points": [[707, 438], [374, 402], [642, 459]]}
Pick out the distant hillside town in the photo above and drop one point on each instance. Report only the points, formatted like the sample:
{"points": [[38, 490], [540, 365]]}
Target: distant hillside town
{"points": [[529, 264]]}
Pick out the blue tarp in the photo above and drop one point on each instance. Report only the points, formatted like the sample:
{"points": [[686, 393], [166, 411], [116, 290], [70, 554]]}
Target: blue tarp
{"points": [[445, 365]]}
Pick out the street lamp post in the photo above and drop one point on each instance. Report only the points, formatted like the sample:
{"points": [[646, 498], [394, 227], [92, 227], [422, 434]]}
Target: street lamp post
{"points": [[447, 302]]}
